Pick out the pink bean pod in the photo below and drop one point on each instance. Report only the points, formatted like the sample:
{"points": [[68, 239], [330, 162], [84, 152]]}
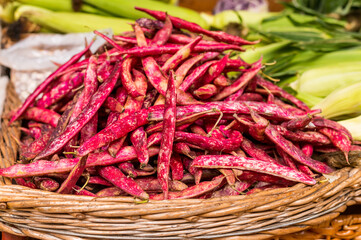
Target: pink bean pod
{"points": [[228, 190], [84, 117], [68, 184], [208, 143], [198, 130], [298, 123], [65, 118], [270, 111], [114, 44], [251, 176], [35, 132], [121, 95], [195, 75], [104, 70], [213, 71], [113, 105], [183, 39], [237, 95], [251, 97], [193, 191], [166, 144], [184, 149], [99, 181], [80, 191], [128, 185], [150, 97], [162, 35], [252, 164], [89, 130], [154, 139], [128, 169], [307, 149], [46, 184], [173, 48], [222, 81], [176, 167], [151, 184], [38, 145], [286, 159], [116, 145], [339, 139], [60, 91], [162, 59], [49, 80], [180, 55], [193, 27], [183, 69], [243, 80], [313, 137], [252, 150], [126, 77], [268, 85], [43, 167], [295, 152], [236, 63], [290, 108], [26, 182], [110, 192], [123, 126], [42, 115], [206, 91], [229, 175], [139, 140], [191, 118], [90, 87], [322, 123], [127, 39]]}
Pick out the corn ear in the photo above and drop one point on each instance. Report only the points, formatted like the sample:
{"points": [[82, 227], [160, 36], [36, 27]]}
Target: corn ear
{"points": [[249, 19], [341, 102], [207, 17], [66, 22], [348, 55], [323, 80], [58, 5], [62, 6], [268, 52], [353, 125], [125, 8], [7, 12]]}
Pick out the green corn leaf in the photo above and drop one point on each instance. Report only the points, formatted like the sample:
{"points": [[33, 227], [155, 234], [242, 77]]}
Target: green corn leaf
{"points": [[353, 125], [343, 101], [322, 81]]}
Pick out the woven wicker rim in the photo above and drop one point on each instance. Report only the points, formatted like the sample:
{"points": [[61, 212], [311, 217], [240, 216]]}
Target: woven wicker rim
{"points": [[47, 215], [345, 226]]}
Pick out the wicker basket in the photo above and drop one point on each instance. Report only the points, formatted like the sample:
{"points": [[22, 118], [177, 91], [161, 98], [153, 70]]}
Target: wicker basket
{"points": [[342, 227], [262, 215]]}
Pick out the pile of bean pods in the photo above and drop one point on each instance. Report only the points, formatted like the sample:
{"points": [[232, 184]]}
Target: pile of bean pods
{"points": [[165, 112]]}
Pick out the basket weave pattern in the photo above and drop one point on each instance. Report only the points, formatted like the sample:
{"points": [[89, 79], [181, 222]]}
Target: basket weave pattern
{"points": [[262, 215], [342, 227]]}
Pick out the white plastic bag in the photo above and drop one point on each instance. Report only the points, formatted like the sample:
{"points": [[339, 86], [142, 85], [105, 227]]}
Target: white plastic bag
{"points": [[41, 51], [32, 59], [3, 84]]}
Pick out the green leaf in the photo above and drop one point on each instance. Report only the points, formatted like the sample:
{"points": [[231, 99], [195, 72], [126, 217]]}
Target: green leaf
{"points": [[328, 45], [299, 36], [279, 69]]}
